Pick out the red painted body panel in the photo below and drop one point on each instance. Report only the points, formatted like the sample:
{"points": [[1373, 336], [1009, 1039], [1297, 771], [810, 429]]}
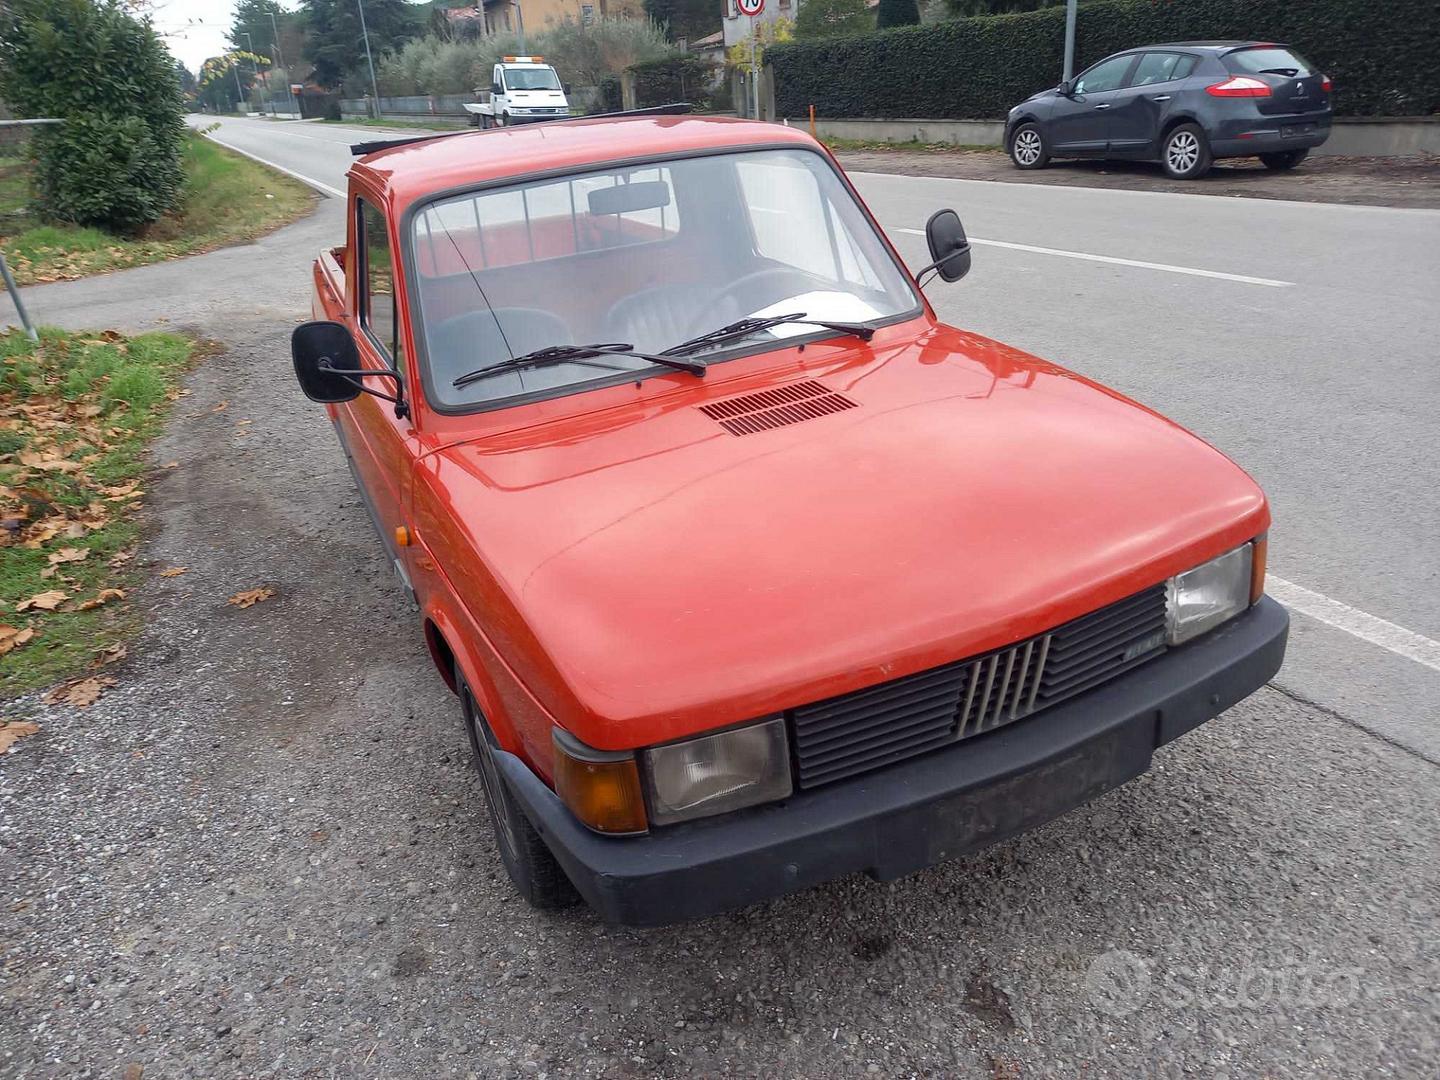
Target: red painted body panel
{"points": [[616, 562]]}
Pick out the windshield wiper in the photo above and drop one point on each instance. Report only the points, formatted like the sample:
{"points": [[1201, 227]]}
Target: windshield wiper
{"points": [[1289, 73], [561, 354], [743, 328]]}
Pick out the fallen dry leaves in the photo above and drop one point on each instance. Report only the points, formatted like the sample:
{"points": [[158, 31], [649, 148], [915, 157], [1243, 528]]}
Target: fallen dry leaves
{"points": [[12, 638], [251, 596], [68, 555], [15, 729], [80, 692], [174, 571], [104, 596], [111, 654], [45, 601]]}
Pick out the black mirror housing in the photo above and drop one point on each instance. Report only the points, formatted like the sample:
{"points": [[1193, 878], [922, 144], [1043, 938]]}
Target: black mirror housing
{"points": [[565, 89], [1066, 88], [318, 346], [949, 247]]}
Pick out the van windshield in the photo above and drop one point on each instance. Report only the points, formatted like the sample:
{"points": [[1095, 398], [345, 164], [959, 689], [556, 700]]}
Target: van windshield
{"points": [[648, 255], [539, 78]]}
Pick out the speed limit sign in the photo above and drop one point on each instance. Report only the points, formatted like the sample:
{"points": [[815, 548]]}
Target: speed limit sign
{"points": [[750, 7]]}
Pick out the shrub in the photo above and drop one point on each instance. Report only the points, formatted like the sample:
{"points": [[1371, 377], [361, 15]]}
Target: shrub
{"points": [[896, 13], [832, 18], [116, 161], [583, 55], [1379, 55], [678, 78]]}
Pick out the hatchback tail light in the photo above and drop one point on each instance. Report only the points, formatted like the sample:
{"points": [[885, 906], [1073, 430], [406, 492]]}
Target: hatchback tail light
{"points": [[1239, 86], [1326, 84]]}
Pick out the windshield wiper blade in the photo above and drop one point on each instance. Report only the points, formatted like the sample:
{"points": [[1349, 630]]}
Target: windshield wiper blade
{"points": [[561, 354], [742, 328]]}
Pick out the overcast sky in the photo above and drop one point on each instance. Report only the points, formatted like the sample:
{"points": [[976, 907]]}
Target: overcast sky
{"points": [[194, 29]]}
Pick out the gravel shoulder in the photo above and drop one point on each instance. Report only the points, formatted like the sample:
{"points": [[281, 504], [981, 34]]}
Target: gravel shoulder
{"points": [[1403, 181], [264, 855]]}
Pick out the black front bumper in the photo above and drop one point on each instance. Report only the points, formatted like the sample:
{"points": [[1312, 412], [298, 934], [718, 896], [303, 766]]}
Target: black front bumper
{"points": [[920, 812]]}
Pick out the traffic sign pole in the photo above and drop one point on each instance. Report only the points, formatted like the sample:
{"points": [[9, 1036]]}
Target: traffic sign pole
{"points": [[753, 8]]}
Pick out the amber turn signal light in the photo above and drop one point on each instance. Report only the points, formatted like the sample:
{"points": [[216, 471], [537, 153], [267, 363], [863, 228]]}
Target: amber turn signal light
{"points": [[601, 788], [1259, 549]]}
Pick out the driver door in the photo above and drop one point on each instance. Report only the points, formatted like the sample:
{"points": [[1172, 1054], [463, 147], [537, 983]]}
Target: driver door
{"points": [[1078, 123], [381, 446]]}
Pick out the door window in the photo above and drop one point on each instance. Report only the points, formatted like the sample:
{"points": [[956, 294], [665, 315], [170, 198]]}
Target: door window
{"points": [[1106, 75], [377, 284], [1160, 67]]}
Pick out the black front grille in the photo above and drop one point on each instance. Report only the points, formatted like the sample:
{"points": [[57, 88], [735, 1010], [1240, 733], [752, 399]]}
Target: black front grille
{"points": [[899, 719]]}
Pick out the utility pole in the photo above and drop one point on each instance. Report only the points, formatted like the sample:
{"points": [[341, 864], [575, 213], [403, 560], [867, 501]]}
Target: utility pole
{"points": [[1069, 39], [239, 91], [369, 59], [280, 59], [520, 22], [250, 44]]}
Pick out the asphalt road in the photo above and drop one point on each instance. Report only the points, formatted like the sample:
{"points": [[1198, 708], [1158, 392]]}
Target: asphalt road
{"points": [[263, 853]]}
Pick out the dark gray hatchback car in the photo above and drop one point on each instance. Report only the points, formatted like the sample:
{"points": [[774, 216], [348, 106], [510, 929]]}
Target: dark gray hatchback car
{"points": [[1184, 104]]}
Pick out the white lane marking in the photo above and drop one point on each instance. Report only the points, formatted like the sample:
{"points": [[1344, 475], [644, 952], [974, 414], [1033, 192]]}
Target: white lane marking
{"points": [[1192, 271], [281, 168], [1357, 623], [1083, 190]]}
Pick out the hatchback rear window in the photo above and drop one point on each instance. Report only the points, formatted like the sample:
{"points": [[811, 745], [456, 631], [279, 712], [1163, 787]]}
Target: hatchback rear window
{"points": [[1271, 60]]}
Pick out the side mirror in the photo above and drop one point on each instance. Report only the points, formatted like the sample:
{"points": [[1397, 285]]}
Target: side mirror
{"points": [[949, 247], [318, 347], [1066, 88], [495, 88], [565, 89]]}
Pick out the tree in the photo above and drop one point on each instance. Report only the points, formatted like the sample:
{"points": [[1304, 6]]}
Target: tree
{"points": [[116, 162], [689, 19], [188, 85], [260, 19], [896, 13], [831, 18], [335, 44]]}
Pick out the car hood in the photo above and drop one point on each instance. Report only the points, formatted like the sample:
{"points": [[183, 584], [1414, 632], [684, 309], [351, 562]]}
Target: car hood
{"points": [[648, 573]]}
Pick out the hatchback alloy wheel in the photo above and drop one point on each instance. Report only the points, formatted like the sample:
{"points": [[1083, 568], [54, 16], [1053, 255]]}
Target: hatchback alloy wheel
{"points": [[1027, 146], [1186, 155], [1184, 152]]}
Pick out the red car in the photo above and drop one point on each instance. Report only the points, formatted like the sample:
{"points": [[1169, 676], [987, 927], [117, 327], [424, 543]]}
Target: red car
{"points": [[747, 571]]}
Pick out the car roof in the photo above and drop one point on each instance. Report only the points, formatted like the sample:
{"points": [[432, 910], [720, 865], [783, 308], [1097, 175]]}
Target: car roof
{"points": [[404, 174], [1209, 46]]}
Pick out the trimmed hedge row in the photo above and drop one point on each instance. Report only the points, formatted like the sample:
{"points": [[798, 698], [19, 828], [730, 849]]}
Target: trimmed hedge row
{"points": [[1380, 55]]}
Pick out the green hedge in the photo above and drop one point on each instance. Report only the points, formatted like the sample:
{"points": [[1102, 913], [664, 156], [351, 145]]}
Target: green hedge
{"points": [[686, 77], [1381, 55], [116, 161]]}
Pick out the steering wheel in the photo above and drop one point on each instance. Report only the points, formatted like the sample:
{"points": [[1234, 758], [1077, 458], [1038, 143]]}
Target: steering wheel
{"points": [[731, 291]]}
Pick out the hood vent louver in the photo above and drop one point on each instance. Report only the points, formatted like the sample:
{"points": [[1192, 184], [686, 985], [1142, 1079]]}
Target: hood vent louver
{"points": [[766, 409]]}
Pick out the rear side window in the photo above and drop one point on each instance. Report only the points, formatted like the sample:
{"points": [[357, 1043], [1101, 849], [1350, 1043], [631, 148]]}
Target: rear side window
{"points": [[1270, 60], [1161, 67]]}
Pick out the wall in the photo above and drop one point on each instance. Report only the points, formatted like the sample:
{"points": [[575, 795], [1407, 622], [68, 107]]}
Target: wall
{"points": [[1351, 136]]}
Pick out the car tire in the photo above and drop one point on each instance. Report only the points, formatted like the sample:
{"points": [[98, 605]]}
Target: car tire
{"points": [[503, 120], [536, 874], [1283, 160], [1027, 147], [1185, 154], [484, 122]]}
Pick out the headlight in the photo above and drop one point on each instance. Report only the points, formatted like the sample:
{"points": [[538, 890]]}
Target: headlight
{"points": [[1201, 599], [718, 773]]}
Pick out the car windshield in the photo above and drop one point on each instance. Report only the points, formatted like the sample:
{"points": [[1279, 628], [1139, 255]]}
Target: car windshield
{"points": [[542, 78], [650, 256]]}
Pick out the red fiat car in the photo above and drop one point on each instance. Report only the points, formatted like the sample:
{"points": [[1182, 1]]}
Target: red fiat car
{"points": [[747, 571]]}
